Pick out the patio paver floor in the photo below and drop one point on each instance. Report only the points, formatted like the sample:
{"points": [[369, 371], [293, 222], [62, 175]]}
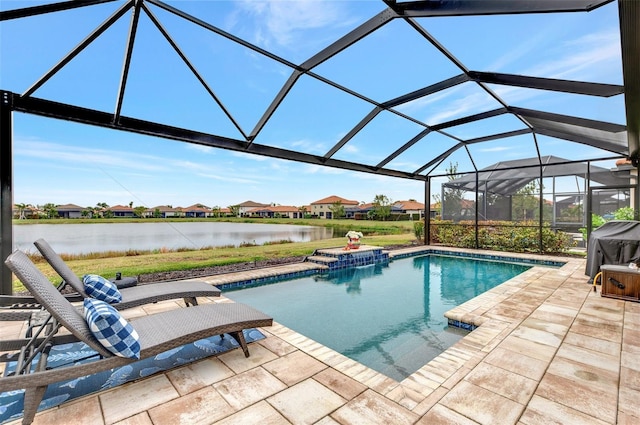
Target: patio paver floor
{"points": [[548, 349]]}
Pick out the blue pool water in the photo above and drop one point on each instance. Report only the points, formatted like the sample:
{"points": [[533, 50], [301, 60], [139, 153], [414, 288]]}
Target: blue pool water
{"points": [[390, 318]]}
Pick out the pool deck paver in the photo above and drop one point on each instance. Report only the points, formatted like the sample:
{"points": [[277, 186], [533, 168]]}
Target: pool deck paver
{"points": [[547, 350]]}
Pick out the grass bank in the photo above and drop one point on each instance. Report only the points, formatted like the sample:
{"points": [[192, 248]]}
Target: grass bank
{"points": [[144, 263]]}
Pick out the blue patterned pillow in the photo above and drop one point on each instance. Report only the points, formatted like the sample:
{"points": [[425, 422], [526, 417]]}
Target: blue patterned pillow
{"points": [[111, 329], [101, 289]]}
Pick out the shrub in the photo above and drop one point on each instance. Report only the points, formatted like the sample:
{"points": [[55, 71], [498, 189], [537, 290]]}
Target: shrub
{"points": [[278, 242], [626, 213], [247, 244], [500, 236], [596, 221], [418, 229]]}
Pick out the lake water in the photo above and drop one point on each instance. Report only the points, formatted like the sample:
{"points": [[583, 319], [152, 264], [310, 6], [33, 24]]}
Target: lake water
{"points": [[101, 237]]}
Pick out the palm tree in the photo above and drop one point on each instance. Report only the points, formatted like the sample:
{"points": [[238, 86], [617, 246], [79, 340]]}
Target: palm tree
{"points": [[50, 210], [382, 207], [139, 211], [91, 211], [21, 208], [235, 210], [303, 211]]}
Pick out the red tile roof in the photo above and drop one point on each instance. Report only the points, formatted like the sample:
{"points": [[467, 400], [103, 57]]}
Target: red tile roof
{"points": [[197, 207], [120, 208], [164, 208], [278, 208], [251, 204], [333, 199], [410, 205], [69, 207]]}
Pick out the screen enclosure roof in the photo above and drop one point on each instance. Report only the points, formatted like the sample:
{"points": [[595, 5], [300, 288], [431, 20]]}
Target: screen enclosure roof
{"points": [[508, 177], [394, 88]]}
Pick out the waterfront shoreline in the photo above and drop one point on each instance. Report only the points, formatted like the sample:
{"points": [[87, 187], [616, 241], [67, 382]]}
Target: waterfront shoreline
{"points": [[231, 268]]}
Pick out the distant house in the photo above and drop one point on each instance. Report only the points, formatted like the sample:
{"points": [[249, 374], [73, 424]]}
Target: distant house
{"points": [[304, 210], [322, 207], [245, 207], [434, 210], [69, 211], [464, 209], [412, 208], [164, 211], [359, 212], [197, 211], [225, 212], [362, 211], [121, 211], [276, 211], [28, 211]]}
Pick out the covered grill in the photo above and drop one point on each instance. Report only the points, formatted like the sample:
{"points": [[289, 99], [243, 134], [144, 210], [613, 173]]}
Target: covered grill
{"points": [[615, 242]]}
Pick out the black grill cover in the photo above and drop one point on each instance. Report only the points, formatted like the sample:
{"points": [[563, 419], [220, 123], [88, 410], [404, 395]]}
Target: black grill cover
{"points": [[615, 242]]}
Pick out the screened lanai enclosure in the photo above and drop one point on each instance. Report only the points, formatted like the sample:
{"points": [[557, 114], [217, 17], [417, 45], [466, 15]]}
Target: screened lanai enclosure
{"points": [[524, 190], [522, 111], [500, 186]]}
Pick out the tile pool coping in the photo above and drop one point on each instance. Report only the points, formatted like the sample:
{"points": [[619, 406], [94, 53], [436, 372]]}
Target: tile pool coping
{"points": [[240, 280]]}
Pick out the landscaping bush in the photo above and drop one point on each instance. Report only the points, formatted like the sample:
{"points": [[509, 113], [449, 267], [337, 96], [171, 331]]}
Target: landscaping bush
{"points": [[626, 213], [418, 230], [596, 221], [500, 236]]}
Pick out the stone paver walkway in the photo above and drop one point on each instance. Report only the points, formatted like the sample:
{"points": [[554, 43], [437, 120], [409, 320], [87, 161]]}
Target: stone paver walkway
{"points": [[548, 350]]}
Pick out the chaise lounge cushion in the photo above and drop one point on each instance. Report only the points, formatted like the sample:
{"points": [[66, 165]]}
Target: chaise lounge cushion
{"points": [[111, 329], [101, 289]]}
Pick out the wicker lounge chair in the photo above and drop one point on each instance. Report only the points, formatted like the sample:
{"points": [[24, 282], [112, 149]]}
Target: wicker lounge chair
{"points": [[158, 333], [136, 295]]}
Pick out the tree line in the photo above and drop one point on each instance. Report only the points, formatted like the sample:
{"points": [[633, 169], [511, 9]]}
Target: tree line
{"points": [[380, 210]]}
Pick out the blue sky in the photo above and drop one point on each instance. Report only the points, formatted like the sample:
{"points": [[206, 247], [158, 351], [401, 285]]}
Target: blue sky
{"points": [[61, 162]]}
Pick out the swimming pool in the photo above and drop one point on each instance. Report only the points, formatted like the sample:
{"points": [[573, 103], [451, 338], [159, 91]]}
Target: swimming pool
{"points": [[387, 317]]}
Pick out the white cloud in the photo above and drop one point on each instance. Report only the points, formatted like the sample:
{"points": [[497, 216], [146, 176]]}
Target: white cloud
{"points": [[189, 166], [588, 56], [251, 156], [529, 45], [229, 178], [423, 102], [201, 148], [83, 156], [321, 169], [457, 101], [349, 148], [309, 146], [270, 163], [282, 22], [470, 104], [404, 165], [495, 149]]}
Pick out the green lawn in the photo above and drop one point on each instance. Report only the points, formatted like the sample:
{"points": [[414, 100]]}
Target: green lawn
{"points": [[133, 265]]}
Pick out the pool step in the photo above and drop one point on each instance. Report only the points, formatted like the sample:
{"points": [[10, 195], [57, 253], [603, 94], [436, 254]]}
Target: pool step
{"points": [[342, 258], [320, 259]]}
